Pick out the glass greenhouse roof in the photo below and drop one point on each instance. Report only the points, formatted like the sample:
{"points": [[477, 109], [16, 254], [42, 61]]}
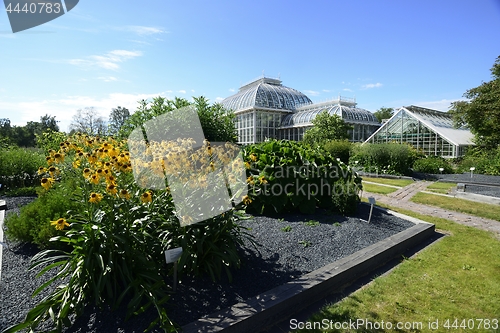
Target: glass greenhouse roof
{"points": [[437, 121], [266, 93], [346, 111]]}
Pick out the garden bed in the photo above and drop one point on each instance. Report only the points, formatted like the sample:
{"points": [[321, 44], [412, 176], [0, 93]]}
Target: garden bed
{"points": [[311, 242]]}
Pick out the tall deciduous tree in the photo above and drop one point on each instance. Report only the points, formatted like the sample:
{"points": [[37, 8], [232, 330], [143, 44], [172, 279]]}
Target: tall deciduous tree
{"points": [[117, 118], [481, 113], [327, 127], [383, 113], [88, 121]]}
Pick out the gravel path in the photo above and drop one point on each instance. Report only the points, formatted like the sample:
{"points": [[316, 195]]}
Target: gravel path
{"points": [[282, 256]]}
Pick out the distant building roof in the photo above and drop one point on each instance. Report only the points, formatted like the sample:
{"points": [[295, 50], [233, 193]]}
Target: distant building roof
{"points": [[266, 93]]}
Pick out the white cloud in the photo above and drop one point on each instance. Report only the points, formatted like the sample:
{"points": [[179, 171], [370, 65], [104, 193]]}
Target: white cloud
{"points": [[219, 99], [347, 89], [311, 92], [372, 85], [232, 90], [326, 90], [441, 105], [107, 78], [109, 60], [64, 109], [181, 91], [143, 30]]}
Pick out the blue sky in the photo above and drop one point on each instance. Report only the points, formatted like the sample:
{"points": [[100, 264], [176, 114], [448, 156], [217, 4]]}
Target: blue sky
{"points": [[113, 53]]}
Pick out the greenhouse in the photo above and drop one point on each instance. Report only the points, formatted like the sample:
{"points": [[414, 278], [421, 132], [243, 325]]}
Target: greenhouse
{"points": [[427, 130], [364, 123], [264, 108]]}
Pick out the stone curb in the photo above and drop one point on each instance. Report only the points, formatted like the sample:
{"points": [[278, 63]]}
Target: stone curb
{"points": [[279, 303]]}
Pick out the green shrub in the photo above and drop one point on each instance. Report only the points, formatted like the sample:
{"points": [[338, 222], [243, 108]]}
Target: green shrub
{"points": [[19, 166], [432, 165], [50, 140], [285, 176], [339, 149], [33, 222], [485, 161], [389, 158]]}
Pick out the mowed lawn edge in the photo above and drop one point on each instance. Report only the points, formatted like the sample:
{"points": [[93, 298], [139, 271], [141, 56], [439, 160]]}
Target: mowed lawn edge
{"points": [[372, 188], [459, 205], [389, 181], [453, 278]]}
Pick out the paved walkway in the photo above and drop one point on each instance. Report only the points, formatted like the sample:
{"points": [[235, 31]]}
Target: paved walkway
{"points": [[401, 197]]}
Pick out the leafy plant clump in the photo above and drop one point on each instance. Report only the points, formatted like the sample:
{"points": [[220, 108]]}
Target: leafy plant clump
{"points": [[32, 225], [18, 167], [286, 176], [432, 165], [341, 149], [485, 161], [311, 223], [389, 158], [119, 228]]}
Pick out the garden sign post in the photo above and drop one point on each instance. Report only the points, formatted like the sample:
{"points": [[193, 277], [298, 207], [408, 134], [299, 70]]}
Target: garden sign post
{"points": [[171, 256], [371, 200]]}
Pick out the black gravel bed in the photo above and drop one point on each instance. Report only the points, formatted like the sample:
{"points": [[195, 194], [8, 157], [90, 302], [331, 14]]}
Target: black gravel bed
{"points": [[465, 177], [281, 257], [483, 190]]}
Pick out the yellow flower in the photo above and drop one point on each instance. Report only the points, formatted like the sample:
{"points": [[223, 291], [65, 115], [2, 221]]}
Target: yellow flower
{"points": [[247, 165], [95, 197], [86, 172], [253, 157], [47, 183], [247, 200], [60, 224], [53, 171], [146, 197], [41, 170], [59, 157], [49, 159], [124, 194], [94, 179], [76, 164], [250, 180], [262, 180], [111, 189], [110, 179], [92, 159]]}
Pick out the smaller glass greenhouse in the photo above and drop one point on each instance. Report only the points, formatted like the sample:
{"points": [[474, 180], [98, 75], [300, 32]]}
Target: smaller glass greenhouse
{"points": [[427, 130]]}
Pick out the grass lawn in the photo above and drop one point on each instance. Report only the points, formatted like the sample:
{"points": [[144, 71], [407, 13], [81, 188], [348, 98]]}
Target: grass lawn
{"points": [[441, 187], [378, 189], [395, 182], [459, 205], [454, 278]]}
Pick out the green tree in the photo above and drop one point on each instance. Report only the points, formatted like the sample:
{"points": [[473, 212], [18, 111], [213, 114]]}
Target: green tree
{"points": [[48, 122], [117, 118], [481, 113], [327, 127], [383, 113], [217, 123], [88, 121]]}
